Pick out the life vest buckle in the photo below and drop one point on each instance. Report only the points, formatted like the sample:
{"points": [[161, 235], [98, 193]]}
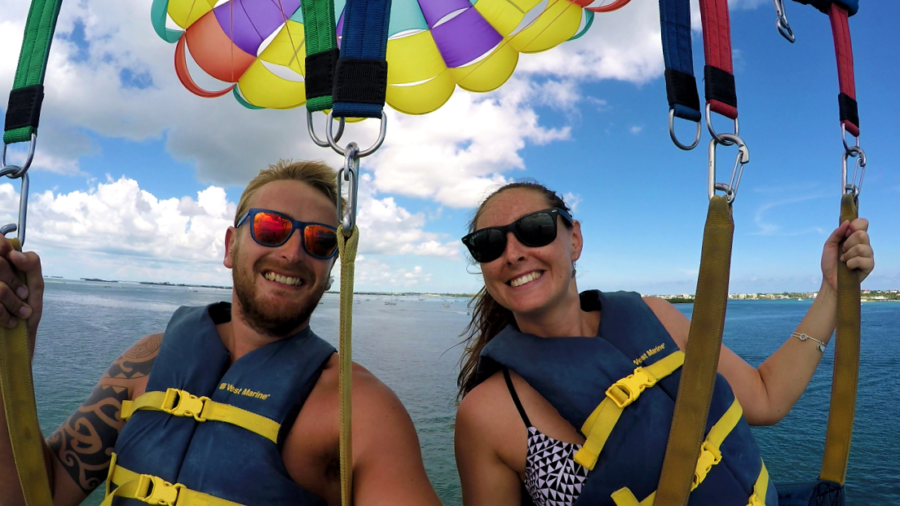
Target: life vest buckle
{"points": [[155, 490], [182, 403], [709, 456], [628, 389]]}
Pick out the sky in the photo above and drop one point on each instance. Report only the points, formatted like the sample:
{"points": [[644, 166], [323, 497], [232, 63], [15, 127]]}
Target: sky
{"points": [[137, 179]]}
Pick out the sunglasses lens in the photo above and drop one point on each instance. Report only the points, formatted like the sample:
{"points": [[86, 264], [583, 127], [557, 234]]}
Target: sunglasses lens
{"points": [[320, 241], [487, 245], [537, 229], [271, 229]]}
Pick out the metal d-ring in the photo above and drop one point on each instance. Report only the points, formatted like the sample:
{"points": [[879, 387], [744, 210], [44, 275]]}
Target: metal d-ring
{"points": [[853, 187], [332, 141], [349, 173], [743, 158], [782, 23], [847, 147], [20, 169], [675, 138], [720, 138], [312, 131]]}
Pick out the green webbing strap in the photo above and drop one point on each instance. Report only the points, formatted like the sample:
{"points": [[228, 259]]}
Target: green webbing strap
{"points": [[25, 436], [698, 375], [347, 251], [846, 364], [25, 99], [321, 52]]}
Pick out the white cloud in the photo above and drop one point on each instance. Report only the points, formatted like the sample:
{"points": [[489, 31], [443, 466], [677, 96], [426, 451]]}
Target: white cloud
{"points": [[179, 239], [635, 129], [572, 200], [452, 157], [456, 154]]}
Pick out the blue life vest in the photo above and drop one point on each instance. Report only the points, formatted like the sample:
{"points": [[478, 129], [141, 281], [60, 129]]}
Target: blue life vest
{"points": [[216, 458], [574, 373]]}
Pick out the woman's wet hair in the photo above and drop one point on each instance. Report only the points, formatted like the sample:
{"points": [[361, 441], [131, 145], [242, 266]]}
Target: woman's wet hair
{"points": [[488, 316]]}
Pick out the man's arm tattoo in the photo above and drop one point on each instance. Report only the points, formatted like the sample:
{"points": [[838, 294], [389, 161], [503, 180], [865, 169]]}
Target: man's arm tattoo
{"points": [[83, 444]]}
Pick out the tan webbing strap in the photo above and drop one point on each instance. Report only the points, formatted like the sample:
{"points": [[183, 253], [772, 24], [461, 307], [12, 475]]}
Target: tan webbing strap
{"points": [[154, 490], [698, 374], [17, 384], [846, 365], [347, 250], [181, 403]]}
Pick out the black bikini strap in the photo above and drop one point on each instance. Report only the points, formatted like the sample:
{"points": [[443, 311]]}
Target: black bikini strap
{"points": [[515, 397]]}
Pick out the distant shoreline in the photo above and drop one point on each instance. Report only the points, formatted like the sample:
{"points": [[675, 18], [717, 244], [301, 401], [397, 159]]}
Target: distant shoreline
{"points": [[871, 296]]}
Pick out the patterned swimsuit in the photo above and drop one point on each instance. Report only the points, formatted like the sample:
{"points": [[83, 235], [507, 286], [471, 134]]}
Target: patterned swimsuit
{"points": [[552, 477]]}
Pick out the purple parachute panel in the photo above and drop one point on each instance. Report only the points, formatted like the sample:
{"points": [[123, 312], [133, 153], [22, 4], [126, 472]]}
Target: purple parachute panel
{"points": [[465, 37], [249, 22], [435, 10]]}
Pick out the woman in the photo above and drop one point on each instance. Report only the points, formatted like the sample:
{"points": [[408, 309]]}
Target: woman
{"points": [[540, 358]]}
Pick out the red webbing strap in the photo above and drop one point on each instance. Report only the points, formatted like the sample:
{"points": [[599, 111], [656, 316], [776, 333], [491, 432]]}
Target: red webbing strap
{"points": [[843, 50], [719, 70]]}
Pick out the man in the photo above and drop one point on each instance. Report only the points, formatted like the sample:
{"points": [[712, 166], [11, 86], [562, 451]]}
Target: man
{"points": [[219, 366]]}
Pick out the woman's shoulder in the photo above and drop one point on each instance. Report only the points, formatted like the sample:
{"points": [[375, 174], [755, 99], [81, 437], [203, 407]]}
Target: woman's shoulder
{"points": [[483, 398]]}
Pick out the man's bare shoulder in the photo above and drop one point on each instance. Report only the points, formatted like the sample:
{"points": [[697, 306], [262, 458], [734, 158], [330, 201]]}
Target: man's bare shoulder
{"points": [[132, 368], [383, 438]]}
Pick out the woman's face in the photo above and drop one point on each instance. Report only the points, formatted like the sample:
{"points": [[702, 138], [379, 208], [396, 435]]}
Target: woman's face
{"points": [[528, 281]]}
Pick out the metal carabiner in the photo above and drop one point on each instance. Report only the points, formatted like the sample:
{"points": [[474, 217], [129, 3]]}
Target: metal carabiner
{"points": [[332, 140], [20, 169], [312, 131], [350, 173], [13, 172], [782, 23], [719, 137], [675, 138], [852, 187], [743, 158]]}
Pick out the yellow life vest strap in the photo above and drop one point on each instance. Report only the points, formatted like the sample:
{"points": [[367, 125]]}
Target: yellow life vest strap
{"points": [[710, 455], [760, 488], [154, 490], [17, 384], [620, 395], [181, 403]]}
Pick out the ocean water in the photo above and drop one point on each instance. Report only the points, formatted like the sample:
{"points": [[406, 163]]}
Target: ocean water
{"points": [[413, 347]]}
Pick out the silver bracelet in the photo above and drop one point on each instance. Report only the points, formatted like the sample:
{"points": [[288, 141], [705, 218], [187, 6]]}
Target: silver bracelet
{"points": [[803, 337]]}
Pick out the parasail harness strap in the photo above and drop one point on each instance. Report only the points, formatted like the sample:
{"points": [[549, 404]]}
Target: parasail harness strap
{"points": [[847, 350], [24, 110], [361, 72], [16, 380], [360, 83], [681, 86], [708, 321], [321, 53]]}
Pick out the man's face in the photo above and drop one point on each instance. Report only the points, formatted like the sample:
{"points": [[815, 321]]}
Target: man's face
{"points": [[268, 304]]}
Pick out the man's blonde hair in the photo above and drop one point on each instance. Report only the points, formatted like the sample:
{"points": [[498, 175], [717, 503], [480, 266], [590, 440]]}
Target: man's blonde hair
{"points": [[315, 174]]}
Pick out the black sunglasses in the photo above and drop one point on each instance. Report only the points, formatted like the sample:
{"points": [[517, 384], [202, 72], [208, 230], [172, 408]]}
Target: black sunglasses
{"points": [[533, 230], [272, 229]]}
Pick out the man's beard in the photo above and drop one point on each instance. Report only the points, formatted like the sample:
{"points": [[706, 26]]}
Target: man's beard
{"points": [[265, 319]]}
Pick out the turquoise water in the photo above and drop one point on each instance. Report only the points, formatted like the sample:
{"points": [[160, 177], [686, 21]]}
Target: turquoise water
{"points": [[411, 346]]}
